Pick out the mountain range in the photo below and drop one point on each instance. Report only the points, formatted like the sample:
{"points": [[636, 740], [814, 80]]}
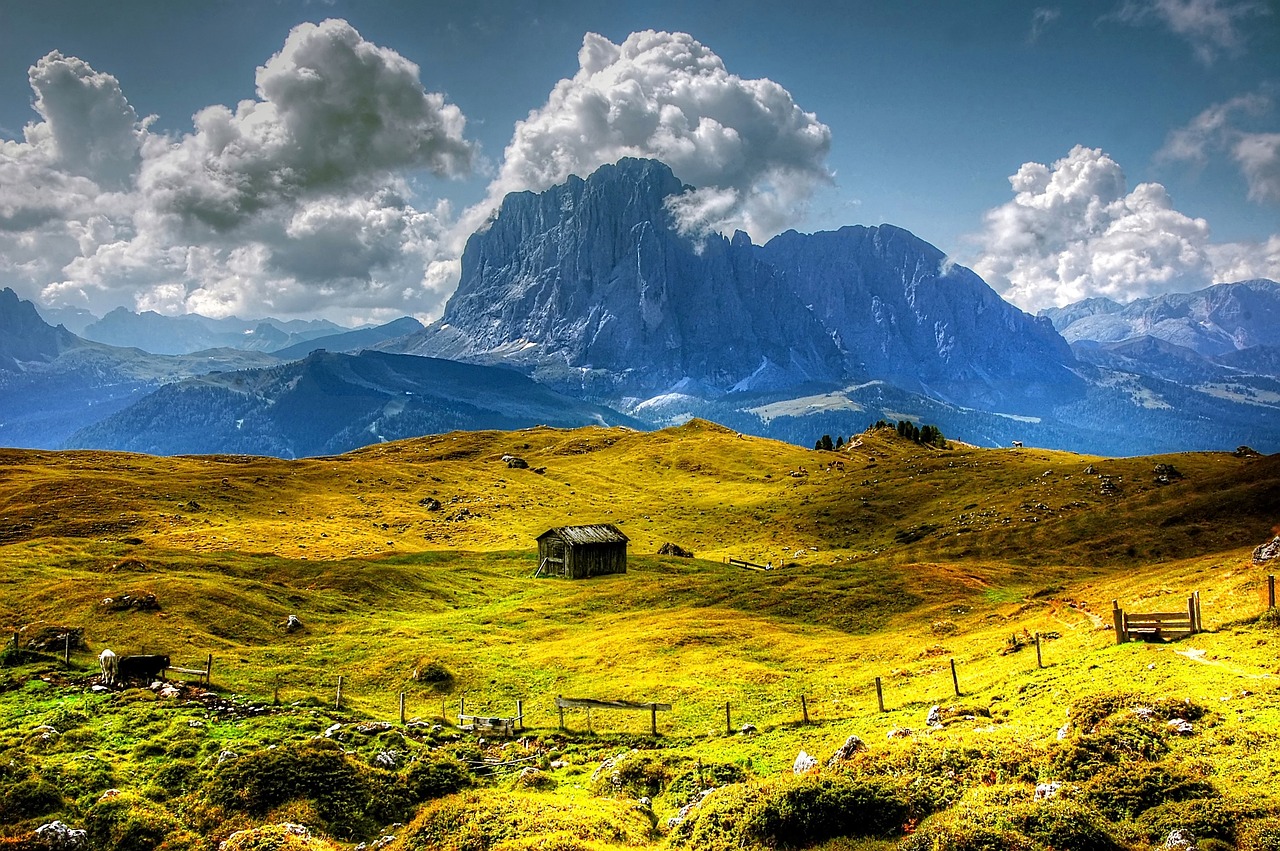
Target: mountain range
{"points": [[592, 291]]}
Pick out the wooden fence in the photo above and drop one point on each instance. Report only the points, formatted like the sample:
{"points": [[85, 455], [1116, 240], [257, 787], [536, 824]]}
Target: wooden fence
{"points": [[1157, 625]]}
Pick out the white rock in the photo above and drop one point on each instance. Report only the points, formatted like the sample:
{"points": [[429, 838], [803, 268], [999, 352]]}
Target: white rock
{"points": [[804, 763]]}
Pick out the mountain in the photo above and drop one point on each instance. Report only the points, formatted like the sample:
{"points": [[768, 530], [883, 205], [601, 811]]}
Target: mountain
{"points": [[174, 335], [352, 341], [1213, 321], [591, 286], [330, 403], [53, 382], [74, 319]]}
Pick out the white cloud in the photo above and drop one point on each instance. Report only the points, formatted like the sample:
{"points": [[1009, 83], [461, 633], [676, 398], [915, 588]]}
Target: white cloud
{"points": [[1041, 19], [293, 202], [1073, 230], [754, 154], [1211, 27], [1218, 129]]}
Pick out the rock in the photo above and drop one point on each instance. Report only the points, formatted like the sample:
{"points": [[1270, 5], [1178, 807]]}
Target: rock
{"points": [[429, 503], [1064, 731], [851, 746], [1045, 791], [292, 624], [195, 723], [53, 639], [368, 727], [557, 764], [1090, 470], [226, 755], [804, 764], [517, 463], [1166, 474], [747, 729], [388, 759], [670, 549], [644, 803], [1179, 839], [899, 733], [1246, 452], [1267, 551], [57, 836], [1180, 726], [332, 731], [109, 794], [124, 602], [1146, 713], [934, 718], [97, 689]]}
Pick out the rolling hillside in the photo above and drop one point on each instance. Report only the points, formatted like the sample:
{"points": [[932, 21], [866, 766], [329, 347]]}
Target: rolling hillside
{"points": [[889, 559]]}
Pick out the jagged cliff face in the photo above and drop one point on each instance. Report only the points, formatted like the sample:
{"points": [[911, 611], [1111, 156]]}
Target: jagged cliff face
{"points": [[593, 273], [592, 276], [900, 313]]}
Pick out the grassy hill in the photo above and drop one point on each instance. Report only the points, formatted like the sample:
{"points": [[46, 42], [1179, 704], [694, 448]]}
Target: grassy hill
{"points": [[889, 559]]}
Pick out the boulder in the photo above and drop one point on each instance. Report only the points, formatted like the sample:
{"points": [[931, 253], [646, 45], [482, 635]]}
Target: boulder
{"points": [[747, 729], [1268, 551], [292, 624], [1045, 791], [430, 503], [517, 463], [804, 763], [388, 759], [851, 746], [57, 836], [899, 733], [670, 549], [1180, 726], [1179, 839], [934, 718]]}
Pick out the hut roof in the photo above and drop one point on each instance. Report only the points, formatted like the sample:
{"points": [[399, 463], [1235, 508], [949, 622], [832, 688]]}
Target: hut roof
{"points": [[598, 533]]}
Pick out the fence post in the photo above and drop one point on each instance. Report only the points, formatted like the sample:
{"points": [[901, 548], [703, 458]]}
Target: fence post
{"points": [[66, 650], [337, 702], [1118, 616], [1039, 658], [653, 718], [1191, 613], [208, 670], [1199, 614], [728, 721], [1271, 597], [401, 709], [561, 709], [15, 639], [520, 715], [879, 694], [804, 709], [955, 680]]}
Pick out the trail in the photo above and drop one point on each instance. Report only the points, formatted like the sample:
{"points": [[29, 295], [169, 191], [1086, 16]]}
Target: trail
{"points": [[1197, 655]]}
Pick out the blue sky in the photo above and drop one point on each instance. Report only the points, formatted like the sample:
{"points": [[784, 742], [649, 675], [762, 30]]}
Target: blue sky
{"points": [[930, 108]]}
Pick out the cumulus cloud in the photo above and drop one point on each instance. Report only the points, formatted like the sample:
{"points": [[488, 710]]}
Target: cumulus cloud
{"points": [[291, 202], [754, 155], [1074, 230], [1211, 27]]}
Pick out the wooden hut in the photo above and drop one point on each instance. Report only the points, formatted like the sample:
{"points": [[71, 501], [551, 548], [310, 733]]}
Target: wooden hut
{"points": [[577, 552]]}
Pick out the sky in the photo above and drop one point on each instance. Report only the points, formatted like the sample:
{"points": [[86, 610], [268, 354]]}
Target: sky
{"points": [[329, 159]]}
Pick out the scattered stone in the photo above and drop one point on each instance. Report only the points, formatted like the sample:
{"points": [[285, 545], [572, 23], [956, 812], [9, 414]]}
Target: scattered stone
{"points": [[557, 764], [226, 755], [109, 794], [1246, 452], [1045, 791], [369, 727], [1090, 470], [1179, 839], [1146, 713], [1180, 726], [670, 549], [934, 718], [1064, 731], [124, 602], [747, 729], [430, 503], [899, 733], [804, 764], [644, 803], [1167, 474], [851, 746], [195, 723], [98, 689], [515, 463], [387, 759], [292, 624], [332, 731], [57, 836], [1267, 551]]}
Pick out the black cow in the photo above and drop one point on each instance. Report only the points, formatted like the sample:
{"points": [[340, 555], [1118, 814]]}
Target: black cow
{"points": [[145, 668]]}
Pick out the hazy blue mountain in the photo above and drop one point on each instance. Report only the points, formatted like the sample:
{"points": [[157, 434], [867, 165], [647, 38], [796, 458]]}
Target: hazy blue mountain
{"points": [[53, 382], [330, 403], [74, 319], [173, 335], [352, 341], [1214, 321]]}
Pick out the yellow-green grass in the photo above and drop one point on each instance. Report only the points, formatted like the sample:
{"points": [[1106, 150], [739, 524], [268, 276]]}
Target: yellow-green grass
{"points": [[903, 560]]}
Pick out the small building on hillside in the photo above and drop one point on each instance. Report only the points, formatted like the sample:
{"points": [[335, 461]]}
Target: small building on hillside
{"points": [[577, 552]]}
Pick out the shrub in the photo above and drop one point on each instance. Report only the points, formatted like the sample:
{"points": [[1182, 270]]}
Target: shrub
{"points": [[126, 822], [1129, 789], [1114, 743], [1059, 824], [1260, 835], [276, 837], [435, 775], [634, 775], [959, 831], [813, 809], [688, 784], [28, 798], [1206, 818]]}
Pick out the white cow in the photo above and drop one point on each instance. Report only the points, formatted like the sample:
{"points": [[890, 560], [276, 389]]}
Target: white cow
{"points": [[110, 667]]}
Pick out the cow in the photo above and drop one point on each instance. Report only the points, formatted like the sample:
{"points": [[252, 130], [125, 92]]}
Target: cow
{"points": [[109, 663], [146, 668], [1017, 444]]}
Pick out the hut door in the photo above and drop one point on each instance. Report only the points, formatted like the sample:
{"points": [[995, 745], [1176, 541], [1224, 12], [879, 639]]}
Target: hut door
{"points": [[555, 557]]}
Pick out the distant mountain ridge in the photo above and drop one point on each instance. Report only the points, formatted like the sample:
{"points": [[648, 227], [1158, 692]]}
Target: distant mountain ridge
{"points": [[1213, 321], [176, 335], [330, 403]]}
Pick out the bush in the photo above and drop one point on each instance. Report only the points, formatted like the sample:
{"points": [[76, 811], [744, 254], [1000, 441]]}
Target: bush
{"points": [[28, 798], [276, 837], [1206, 818], [634, 775], [1062, 825], [436, 775], [1130, 789], [959, 831], [1260, 835], [126, 822], [1114, 743], [685, 787]]}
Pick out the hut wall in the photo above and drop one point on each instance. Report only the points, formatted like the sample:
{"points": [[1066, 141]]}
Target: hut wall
{"points": [[593, 560], [553, 548]]}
